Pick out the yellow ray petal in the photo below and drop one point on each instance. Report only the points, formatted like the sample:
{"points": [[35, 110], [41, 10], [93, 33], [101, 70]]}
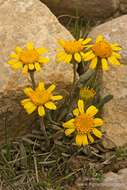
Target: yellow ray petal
{"points": [[88, 58], [69, 131], [43, 60], [14, 56], [69, 124], [90, 138], [81, 106], [115, 47], [87, 54], [61, 42], [92, 110], [84, 139], [18, 49], [41, 86], [12, 61], [31, 66], [57, 97], [23, 102], [50, 105], [30, 45], [87, 40], [104, 63], [25, 70], [113, 60], [28, 91], [77, 57], [79, 140], [68, 58], [41, 50], [117, 55], [97, 133], [30, 107], [17, 65], [99, 38], [98, 122], [37, 66], [76, 112], [93, 63], [51, 88], [41, 111]]}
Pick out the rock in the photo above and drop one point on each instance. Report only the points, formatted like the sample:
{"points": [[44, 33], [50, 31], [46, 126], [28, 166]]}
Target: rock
{"points": [[27, 21], [92, 9], [115, 82], [113, 181], [123, 6]]}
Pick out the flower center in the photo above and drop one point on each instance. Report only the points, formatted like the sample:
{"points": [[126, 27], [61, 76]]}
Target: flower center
{"points": [[84, 123], [29, 56], [87, 93], [102, 49], [40, 97], [73, 47]]}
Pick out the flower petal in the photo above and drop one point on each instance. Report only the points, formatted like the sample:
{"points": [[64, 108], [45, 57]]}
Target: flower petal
{"points": [[98, 122], [81, 106], [57, 97], [69, 131], [76, 112], [37, 66], [41, 86], [43, 60], [14, 56], [116, 47], [69, 124], [77, 57], [30, 45], [31, 66], [84, 139], [41, 111], [92, 110], [23, 102], [41, 50], [90, 138], [93, 63], [86, 41], [51, 88], [28, 91], [97, 133], [117, 55], [50, 105], [99, 38], [68, 58], [17, 65], [89, 57], [79, 140], [25, 70], [30, 107], [18, 49], [113, 60], [105, 66]]}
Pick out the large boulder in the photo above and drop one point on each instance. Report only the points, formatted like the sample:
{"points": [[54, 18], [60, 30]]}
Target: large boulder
{"points": [[91, 9], [115, 83], [22, 21]]}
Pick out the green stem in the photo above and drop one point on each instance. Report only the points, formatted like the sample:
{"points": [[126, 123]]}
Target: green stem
{"points": [[32, 79], [42, 125]]}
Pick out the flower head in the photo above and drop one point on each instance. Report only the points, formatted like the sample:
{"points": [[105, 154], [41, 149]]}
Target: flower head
{"points": [[84, 123], [87, 93], [72, 50], [40, 98], [28, 58], [105, 52]]}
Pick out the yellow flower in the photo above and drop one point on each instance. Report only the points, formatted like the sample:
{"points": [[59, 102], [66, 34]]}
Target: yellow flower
{"points": [[87, 93], [71, 50], [40, 98], [105, 52], [28, 58], [84, 124]]}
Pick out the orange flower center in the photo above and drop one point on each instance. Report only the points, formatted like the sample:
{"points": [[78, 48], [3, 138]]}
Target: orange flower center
{"points": [[40, 97], [102, 49], [84, 123], [73, 46], [29, 56]]}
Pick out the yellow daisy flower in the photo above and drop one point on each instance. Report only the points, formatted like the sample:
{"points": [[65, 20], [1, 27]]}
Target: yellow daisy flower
{"points": [[87, 93], [28, 58], [104, 51], [84, 124], [40, 98], [71, 50]]}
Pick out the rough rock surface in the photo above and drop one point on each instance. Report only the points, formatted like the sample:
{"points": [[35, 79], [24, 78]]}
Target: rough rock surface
{"points": [[91, 9], [113, 181], [115, 82], [22, 21]]}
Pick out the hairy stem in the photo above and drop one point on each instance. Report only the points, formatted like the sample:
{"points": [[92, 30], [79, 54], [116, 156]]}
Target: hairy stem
{"points": [[32, 79]]}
